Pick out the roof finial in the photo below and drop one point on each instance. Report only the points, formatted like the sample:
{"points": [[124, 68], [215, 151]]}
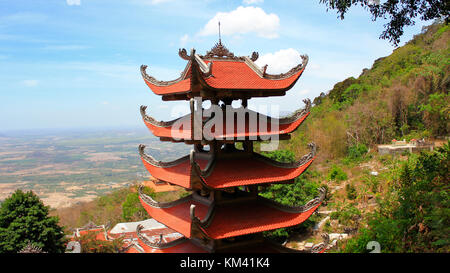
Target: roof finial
{"points": [[220, 40]]}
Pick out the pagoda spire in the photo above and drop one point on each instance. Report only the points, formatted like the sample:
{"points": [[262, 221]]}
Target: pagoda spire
{"points": [[220, 40]]}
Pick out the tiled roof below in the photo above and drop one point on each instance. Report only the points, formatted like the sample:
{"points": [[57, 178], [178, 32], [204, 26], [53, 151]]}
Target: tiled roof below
{"points": [[246, 171], [184, 132], [229, 220]]}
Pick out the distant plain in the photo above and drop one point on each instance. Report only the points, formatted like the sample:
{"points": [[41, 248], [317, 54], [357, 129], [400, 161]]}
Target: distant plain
{"points": [[65, 167]]}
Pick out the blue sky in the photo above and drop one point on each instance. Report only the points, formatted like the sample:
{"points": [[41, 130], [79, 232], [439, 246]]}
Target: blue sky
{"points": [[75, 63]]}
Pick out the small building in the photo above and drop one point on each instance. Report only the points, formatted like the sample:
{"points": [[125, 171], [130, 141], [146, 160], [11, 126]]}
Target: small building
{"points": [[398, 147], [149, 230]]}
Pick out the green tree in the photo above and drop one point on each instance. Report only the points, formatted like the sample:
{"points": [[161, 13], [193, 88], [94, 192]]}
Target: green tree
{"points": [[24, 219], [437, 113], [132, 209], [298, 193], [401, 13]]}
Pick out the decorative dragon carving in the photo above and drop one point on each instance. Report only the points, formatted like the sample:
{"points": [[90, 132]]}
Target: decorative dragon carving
{"points": [[159, 244], [288, 74], [220, 51], [303, 160], [149, 159], [157, 82], [183, 54], [153, 121], [297, 209], [322, 246], [255, 56], [297, 114], [161, 205]]}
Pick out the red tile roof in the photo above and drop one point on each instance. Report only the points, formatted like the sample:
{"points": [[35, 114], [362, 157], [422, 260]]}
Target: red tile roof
{"points": [[238, 74], [176, 218], [246, 171], [253, 217], [179, 87], [184, 132]]}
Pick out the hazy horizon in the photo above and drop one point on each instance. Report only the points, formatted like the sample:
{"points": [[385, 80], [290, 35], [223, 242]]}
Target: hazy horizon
{"points": [[75, 64]]}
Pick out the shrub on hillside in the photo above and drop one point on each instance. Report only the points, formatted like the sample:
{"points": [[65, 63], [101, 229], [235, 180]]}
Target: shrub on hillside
{"points": [[415, 217], [351, 191], [357, 151], [337, 174]]}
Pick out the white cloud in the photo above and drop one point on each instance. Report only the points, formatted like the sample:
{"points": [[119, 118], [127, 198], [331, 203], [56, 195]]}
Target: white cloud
{"points": [[184, 39], [30, 83], [244, 20], [250, 2], [73, 2], [280, 61]]}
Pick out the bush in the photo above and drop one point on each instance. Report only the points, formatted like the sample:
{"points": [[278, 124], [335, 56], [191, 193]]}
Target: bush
{"points": [[337, 174], [357, 151], [415, 217], [347, 216], [351, 191]]}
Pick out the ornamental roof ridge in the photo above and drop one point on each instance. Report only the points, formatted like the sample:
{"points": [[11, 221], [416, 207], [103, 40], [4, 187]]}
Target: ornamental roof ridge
{"points": [[155, 122], [219, 51]]}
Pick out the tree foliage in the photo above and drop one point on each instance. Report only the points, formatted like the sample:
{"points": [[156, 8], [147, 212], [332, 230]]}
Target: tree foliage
{"points": [[132, 209], [401, 13], [416, 217], [24, 219], [298, 193]]}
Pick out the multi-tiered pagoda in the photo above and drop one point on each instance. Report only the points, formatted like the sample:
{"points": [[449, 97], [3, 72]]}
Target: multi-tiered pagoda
{"points": [[224, 213]]}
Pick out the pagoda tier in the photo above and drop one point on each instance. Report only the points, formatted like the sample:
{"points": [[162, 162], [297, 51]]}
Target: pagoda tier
{"points": [[230, 215], [225, 212], [179, 130], [219, 74], [211, 170], [257, 245]]}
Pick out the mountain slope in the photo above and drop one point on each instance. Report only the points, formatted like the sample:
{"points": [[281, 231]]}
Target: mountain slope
{"points": [[403, 95], [400, 201]]}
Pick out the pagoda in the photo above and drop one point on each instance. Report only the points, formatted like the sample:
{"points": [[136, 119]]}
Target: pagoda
{"points": [[224, 212]]}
